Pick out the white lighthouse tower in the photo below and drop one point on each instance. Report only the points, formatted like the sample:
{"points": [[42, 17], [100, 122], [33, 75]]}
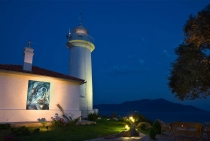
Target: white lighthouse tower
{"points": [[81, 45]]}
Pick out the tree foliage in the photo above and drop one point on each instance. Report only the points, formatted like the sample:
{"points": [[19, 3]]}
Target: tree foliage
{"points": [[197, 29], [190, 74]]}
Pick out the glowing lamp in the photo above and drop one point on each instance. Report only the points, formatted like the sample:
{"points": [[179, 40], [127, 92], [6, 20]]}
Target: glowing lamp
{"points": [[126, 127], [132, 119]]}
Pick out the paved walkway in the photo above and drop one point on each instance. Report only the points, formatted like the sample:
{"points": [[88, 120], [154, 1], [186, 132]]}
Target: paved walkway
{"points": [[142, 137]]}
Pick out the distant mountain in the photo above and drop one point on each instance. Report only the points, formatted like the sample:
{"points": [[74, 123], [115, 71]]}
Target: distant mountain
{"points": [[147, 105]]}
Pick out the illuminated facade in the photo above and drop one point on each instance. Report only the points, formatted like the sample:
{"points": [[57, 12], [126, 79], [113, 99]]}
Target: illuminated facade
{"points": [[28, 93], [81, 45]]}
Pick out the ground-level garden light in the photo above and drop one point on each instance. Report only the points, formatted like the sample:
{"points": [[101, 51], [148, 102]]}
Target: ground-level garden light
{"points": [[130, 128], [132, 119], [127, 127]]}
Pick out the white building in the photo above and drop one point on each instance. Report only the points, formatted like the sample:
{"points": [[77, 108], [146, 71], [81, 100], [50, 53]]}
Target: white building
{"points": [[29, 93], [81, 45]]}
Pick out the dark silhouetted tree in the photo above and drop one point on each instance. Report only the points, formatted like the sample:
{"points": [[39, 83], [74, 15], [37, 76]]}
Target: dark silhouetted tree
{"points": [[190, 74], [197, 29]]}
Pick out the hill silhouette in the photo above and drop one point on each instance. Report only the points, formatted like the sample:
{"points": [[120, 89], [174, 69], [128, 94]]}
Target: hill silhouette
{"points": [[147, 105]]}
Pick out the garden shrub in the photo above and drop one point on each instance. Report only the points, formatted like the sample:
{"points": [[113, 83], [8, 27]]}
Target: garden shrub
{"points": [[44, 123], [93, 116], [126, 121], [144, 125], [57, 122], [152, 133], [157, 127], [70, 121], [5, 126], [20, 131], [60, 108], [36, 130]]}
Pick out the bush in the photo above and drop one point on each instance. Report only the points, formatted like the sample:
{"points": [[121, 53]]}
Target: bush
{"points": [[144, 125], [44, 123], [92, 116], [5, 126], [57, 122], [36, 130], [71, 122], [152, 133], [157, 127], [20, 131]]}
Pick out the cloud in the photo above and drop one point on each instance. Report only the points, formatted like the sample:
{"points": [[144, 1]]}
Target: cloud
{"points": [[141, 61], [165, 52], [168, 54], [138, 59]]}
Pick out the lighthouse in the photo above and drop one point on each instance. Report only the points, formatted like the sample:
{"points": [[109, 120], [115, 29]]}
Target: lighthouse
{"points": [[81, 45]]}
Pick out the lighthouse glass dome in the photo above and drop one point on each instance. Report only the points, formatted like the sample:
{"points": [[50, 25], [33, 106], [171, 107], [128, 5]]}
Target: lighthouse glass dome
{"points": [[80, 30], [81, 33]]}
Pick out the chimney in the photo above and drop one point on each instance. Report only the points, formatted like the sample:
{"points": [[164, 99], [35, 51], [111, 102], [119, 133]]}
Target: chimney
{"points": [[28, 57]]}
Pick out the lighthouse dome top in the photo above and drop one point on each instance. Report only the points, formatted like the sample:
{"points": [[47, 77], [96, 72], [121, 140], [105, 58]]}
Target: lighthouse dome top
{"points": [[80, 30]]}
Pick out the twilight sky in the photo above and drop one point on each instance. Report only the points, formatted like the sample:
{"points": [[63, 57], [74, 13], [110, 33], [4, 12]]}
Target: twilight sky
{"points": [[134, 40]]}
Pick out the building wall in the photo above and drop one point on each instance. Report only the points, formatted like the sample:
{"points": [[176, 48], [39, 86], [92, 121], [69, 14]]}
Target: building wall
{"points": [[13, 97], [81, 67]]}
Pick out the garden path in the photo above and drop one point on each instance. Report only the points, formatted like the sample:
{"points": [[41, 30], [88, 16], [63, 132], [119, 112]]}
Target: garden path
{"points": [[165, 137]]}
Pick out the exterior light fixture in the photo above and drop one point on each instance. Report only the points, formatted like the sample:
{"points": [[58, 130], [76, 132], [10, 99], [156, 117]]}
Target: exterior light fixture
{"points": [[127, 127], [132, 119]]}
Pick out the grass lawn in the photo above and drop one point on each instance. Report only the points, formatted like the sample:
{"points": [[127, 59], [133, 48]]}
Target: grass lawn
{"points": [[77, 133]]}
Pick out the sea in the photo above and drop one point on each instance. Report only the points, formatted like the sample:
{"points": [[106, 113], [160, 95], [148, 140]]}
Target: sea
{"points": [[199, 117]]}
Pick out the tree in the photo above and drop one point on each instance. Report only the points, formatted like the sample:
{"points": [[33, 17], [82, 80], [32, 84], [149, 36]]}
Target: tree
{"points": [[190, 74], [197, 29]]}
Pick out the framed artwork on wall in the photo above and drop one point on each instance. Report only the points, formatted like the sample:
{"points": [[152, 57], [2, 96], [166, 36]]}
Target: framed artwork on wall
{"points": [[38, 95]]}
